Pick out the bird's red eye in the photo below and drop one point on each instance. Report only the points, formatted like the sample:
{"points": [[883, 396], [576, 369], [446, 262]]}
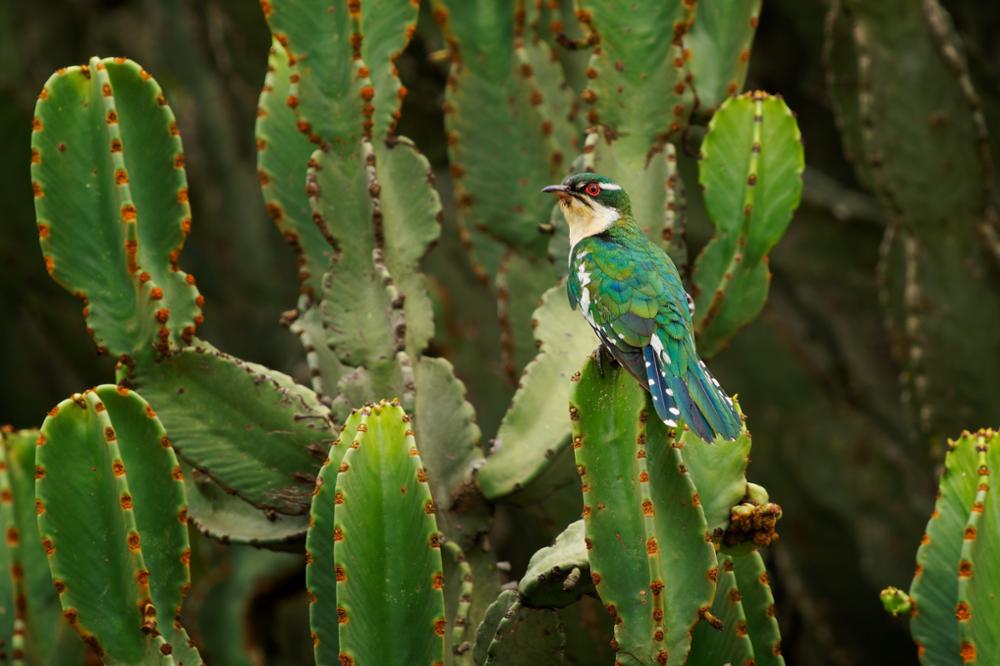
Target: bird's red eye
{"points": [[593, 189]]}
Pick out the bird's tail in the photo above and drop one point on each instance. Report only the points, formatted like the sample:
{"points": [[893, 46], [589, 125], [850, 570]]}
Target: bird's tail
{"points": [[695, 397]]}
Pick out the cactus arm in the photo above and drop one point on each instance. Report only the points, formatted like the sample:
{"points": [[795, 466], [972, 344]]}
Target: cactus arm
{"points": [[689, 567], [158, 183], [386, 29], [934, 589], [637, 87], [282, 156], [251, 429], [86, 447], [104, 609], [81, 232], [387, 546], [411, 216], [445, 425], [48, 637], [558, 574], [466, 584], [721, 472], [731, 644], [638, 496], [758, 605], [385, 213], [512, 633], [501, 140], [325, 368], [935, 187], [525, 444], [751, 174], [977, 589], [327, 97], [161, 513], [491, 620], [10, 619], [720, 42], [321, 573], [229, 519]]}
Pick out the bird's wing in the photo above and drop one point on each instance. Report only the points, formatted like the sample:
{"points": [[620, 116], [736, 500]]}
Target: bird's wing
{"points": [[636, 303]]}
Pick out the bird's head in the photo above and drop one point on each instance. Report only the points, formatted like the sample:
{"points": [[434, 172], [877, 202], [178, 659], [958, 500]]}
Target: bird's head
{"points": [[590, 203]]}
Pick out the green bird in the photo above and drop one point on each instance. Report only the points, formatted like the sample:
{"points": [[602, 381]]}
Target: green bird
{"points": [[631, 294]]}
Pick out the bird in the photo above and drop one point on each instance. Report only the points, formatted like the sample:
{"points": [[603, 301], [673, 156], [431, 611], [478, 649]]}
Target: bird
{"points": [[630, 292]]}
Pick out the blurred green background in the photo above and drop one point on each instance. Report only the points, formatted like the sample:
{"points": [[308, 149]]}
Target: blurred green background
{"points": [[833, 442]]}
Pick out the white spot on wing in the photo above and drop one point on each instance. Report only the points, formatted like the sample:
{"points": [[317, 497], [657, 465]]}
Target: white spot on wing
{"points": [[675, 411]]}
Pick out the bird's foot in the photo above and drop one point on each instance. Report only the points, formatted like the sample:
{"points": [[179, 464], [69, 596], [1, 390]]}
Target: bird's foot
{"points": [[604, 357]]}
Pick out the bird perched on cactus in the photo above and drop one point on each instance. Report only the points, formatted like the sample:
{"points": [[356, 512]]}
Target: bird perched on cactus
{"points": [[631, 294]]}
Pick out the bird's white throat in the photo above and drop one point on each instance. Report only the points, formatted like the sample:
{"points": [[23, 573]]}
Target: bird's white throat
{"points": [[586, 220]]}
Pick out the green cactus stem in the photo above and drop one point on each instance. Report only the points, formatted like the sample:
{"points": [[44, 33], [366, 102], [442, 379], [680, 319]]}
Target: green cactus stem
{"points": [[721, 469], [758, 606], [639, 497], [115, 243], [502, 140], [386, 547], [9, 555], [638, 77], [940, 626], [513, 634], [526, 442], [935, 188], [463, 604], [122, 582], [230, 519], [445, 423], [731, 644], [251, 429], [751, 173], [283, 153], [321, 573], [382, 213], [44, 635], [559, 574], [328, 78], [720, 42]]}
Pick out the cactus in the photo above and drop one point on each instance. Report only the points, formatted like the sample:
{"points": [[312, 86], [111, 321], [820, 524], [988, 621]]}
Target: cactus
{"points": [[935, 188], [525, 444], [258, 451], [108, 445], [733, 645], [952, 594], [639, 493], [638, 87], [559, 574], [122, 263], [282, 154], [41, 633], [758, 606], [656, 600], [751, 205], [503, 139], [223, 414], [356, 580], [514, 634], [720, 42]]}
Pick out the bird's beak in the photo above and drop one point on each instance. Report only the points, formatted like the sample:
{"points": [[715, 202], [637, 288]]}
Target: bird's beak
{"points": [[560, 191]]}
